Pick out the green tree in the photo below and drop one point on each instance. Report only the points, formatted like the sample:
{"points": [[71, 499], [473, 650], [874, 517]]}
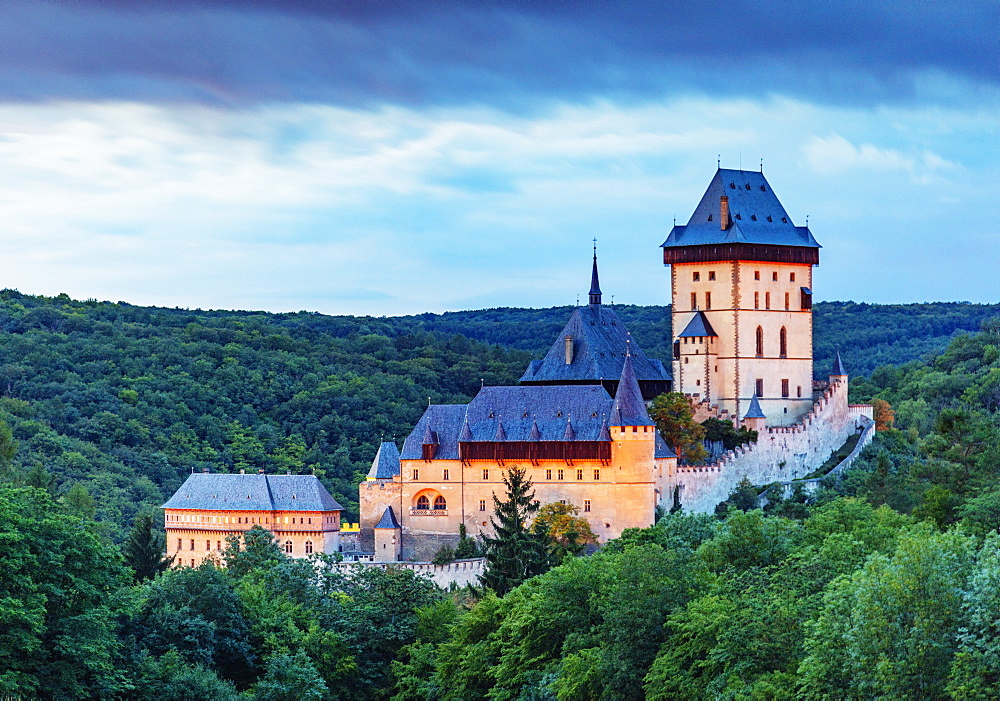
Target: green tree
{"points": [[675, 421], [60, 591], [567, 533], [975, 673], [170, 678], [290, 678], [78, 502], [514, 552], [145, 549]]}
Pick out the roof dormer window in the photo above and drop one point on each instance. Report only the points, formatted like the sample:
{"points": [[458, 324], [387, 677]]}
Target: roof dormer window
{"points": [[753, 217]]}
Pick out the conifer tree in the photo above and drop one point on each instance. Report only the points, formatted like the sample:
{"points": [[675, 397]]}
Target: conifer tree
{"points": [[144, 549], [514, 553]]}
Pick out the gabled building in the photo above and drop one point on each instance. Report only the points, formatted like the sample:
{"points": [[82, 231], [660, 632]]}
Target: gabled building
{"points": [[741, 296], [208, 507], [591, 350]]}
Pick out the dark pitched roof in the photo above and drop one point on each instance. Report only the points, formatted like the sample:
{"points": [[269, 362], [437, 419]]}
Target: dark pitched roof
{"points": [[756, 215], [838, 366], [253, 493], [386, 462], [662, 449], [698, 327], [522, 409], [599, 344], [629, 409], [388, 519], [754, 412]]}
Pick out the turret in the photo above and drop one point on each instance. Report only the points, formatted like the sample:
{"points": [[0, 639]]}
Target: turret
{"points": [[388, 537], [755, 420]]}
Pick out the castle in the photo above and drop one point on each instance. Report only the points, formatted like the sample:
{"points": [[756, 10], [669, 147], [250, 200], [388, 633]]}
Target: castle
{"points": [[741, 296]]}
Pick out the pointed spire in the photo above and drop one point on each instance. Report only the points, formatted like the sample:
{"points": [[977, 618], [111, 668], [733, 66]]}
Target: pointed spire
{"points": [[629, 408], [535, 434], [466, 432], [595, 283], [430, 437], [605, 434], [838, 366], [388, 519], [386, 462], [501, 433], [754, 412], [569, 434]]}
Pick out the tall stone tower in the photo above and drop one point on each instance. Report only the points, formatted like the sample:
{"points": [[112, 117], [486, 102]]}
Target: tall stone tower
{"points": [[741, 295]]}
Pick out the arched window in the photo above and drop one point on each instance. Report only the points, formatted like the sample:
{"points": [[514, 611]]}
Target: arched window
{"points": [[783, 343], [309, 547], [439, 503], [760, 342], [423, 502], [288, 547]]}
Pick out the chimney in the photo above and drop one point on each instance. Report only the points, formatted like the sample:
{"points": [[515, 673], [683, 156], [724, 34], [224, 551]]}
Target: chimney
{"points": [[724, 212], [243, 472], [569, 350]]}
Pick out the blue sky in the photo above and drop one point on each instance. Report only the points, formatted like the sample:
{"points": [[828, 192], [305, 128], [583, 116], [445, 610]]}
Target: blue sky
{"points": [[383, 157]]}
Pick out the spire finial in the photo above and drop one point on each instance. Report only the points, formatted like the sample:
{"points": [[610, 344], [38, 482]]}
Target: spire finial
{"points": [[761, 165], [595, 283], [718, 161]]}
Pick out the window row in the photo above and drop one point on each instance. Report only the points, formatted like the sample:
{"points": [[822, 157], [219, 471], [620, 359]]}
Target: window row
{"points": [[785, 389], [782, 343], [424, 503], [696, 276], [195, 518]]}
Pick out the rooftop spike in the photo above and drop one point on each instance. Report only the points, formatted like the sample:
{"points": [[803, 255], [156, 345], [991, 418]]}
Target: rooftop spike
{"points": [[535, 434], [754, 412], [569, 434], [838, 367], [430, 437], [388, 519], [466, 432], [595, 283], [501, 433], [629, 408]]}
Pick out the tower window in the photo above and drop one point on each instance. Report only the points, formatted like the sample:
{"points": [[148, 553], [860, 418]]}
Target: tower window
{"points": [[416, 473], [756, 300], [288, 547], [767, 300], [694, 301], [798, 391], [774, 276], [788, 301], [559, 474], [791, 277], [486, 474], [783, 343], [760, 388], [482, 505], [597, 475], [697, 277], [586, 505], [760, 342], [708, 300], [711, 274], [579, 473], [192, 543], [784, 388], [309, 547], [446, 474], [756, 275], [548, 474]]}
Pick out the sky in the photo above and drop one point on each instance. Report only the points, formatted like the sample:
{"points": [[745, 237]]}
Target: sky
{"points": [[385, 157]]}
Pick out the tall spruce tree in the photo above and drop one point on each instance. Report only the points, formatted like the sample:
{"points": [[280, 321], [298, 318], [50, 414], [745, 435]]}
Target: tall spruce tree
{"points": [[144, 549], [514, 553]]}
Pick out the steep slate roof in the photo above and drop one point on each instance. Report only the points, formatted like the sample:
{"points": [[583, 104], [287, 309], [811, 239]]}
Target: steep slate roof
{"points": [[599, 343], [253, 493], [754, 412], [662, 449], [838, 366], [629, 409], [698, 327], [388, 519], [521, 409], [750, 196], [386, 462]]}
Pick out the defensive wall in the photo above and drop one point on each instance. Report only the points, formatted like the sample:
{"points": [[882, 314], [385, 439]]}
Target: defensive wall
{"points": [[459, 572], [781, 453]]}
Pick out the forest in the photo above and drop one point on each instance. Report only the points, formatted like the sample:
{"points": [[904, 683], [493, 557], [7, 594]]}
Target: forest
{"points": [[885, 584], [113, 404]]}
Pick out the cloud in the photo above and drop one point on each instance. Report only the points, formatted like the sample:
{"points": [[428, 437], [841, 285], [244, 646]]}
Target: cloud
{"points": [[835, 154], [511, 55]]}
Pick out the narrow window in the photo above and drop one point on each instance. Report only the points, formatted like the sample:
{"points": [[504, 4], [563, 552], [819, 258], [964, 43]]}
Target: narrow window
{"points": [[708, 300], [423, 503], [309, 547], [192, 562], [694, 301], [579, 473], [783, 343], [439, 503], [416, 473], [760, 388], [548, 474], [446, 473], [486, 474], [597, 475], [756, 300], [767, 300], [218, 545], [180, 544], [791, 277], [784, 388], [586, 505], [798, 391], [192, 543], [711, 274], [288, 547], [482, 505], [774, 276], [788, 303], [756, 275], [310, 522], [559, 474], [760, 342], [697, 277]]}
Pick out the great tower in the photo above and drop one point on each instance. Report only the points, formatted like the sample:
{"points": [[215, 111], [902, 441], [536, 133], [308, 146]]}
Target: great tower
{"points": [[741, 300]]}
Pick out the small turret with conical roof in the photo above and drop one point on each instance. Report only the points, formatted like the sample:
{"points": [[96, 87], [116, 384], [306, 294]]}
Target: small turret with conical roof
{"points": [[838, 368], [595, 283], [755, 419]]}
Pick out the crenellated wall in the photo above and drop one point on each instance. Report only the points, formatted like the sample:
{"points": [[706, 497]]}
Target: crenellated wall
{"points": [[459, 572], [781, 453]]}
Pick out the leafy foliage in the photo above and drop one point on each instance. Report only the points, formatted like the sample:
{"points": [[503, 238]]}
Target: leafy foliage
{"points": [[515, 552]]}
